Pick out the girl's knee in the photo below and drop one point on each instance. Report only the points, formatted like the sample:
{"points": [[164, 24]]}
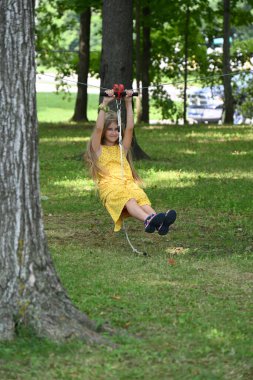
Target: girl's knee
{"points": [[131, 201]]}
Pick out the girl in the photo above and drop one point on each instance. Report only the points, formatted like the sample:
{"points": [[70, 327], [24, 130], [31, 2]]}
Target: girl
{"points": [[118, 186]]}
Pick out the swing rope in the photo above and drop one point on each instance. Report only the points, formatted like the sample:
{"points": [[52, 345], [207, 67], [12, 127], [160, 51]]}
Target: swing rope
{"points": [[131, 245]]}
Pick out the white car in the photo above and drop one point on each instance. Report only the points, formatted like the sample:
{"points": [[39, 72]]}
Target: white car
{"points": [[205, 105]]}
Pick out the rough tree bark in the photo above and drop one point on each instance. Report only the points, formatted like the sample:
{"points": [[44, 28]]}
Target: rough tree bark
{"points": [[117, 43], [80, 113], [117, 51], [228, 101], [30, 291]]}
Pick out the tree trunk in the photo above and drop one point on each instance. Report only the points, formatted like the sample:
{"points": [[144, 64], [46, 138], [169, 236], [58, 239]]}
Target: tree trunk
{"points": [[137, 152], [117, 43], [186, 47], [228, 101], [138, 58], [80, 113], [117, 50], [30, 291], [145, 65]]}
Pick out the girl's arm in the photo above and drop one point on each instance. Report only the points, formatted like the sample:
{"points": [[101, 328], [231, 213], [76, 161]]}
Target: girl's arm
{"points": [[128, 135], [96, 136]]}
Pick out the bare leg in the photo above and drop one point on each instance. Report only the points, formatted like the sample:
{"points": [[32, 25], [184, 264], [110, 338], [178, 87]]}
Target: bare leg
{"points": [[148, 209], [136, 211]]}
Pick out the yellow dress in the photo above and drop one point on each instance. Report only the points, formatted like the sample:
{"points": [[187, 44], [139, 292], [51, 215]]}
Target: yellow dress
{"points": [[114, 189]]}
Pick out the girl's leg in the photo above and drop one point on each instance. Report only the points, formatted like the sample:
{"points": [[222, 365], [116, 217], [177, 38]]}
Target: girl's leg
{"points": [[136, 211], [148, 209]]}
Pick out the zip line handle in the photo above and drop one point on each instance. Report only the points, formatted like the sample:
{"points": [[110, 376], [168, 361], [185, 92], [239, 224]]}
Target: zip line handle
{"points": [[122, 94]]}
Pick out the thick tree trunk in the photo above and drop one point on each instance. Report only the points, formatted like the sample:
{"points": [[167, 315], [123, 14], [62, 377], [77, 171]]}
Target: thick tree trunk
{"points": [[137, 152], [80, 113], [229, 102], [138, 57], [117, 50], [145, 65], [117, 43], [30, 291]]}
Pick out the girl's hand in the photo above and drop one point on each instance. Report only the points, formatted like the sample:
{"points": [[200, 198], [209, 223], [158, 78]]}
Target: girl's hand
{"points": [[128, 97], [109, 98]]}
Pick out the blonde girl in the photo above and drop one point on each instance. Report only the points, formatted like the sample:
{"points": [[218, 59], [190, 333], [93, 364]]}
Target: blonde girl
{"points": [[118, 186]]}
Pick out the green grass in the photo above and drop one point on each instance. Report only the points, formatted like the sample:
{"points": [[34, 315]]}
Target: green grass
{"points": [[57, 107], [190, 318]]}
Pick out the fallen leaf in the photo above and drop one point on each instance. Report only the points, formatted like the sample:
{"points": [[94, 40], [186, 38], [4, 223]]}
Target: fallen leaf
{"points": [[171, 261], [115, 297]]}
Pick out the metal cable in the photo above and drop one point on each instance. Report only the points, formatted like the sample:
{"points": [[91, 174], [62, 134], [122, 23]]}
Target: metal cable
{"points": [[155, 85]]}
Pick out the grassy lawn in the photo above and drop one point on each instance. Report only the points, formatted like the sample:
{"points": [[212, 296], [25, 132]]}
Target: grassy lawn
{"points": [[185, 311], [55, 108]]}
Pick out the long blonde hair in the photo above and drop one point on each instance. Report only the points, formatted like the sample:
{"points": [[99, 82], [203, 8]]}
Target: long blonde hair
{"points": [[91, 157]]}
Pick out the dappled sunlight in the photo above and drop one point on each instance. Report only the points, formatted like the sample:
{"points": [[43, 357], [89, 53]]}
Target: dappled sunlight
{"points": [[187, 151], [215, 334], [219, 337], [180, 178], [239, 153], [177, 250], [170, 178], [218, 136], [232, 174], [163, 282], [67, 139], [153, 127], [75, 184]]}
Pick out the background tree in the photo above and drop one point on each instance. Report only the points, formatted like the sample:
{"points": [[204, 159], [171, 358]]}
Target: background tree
{"points": [[164, 61], [178, 47], [186, 53], [80, 113], [117, 43], [117, 51], [138, 57], [30, 291], [57, 21], [228, 96], [84, 9]]}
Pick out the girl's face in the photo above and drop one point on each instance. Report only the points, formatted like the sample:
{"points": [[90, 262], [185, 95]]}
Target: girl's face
{"points": [[112, 134]]}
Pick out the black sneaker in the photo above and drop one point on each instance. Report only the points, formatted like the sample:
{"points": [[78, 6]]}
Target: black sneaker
{"points": [[153, 222], [170, 218]]}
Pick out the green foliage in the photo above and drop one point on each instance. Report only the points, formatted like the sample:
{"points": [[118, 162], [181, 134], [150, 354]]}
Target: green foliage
{"points": [[163, 102], [57, 41], [169, 32], [58, 30], [241, 51], [53, 42], [243, 94]]}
